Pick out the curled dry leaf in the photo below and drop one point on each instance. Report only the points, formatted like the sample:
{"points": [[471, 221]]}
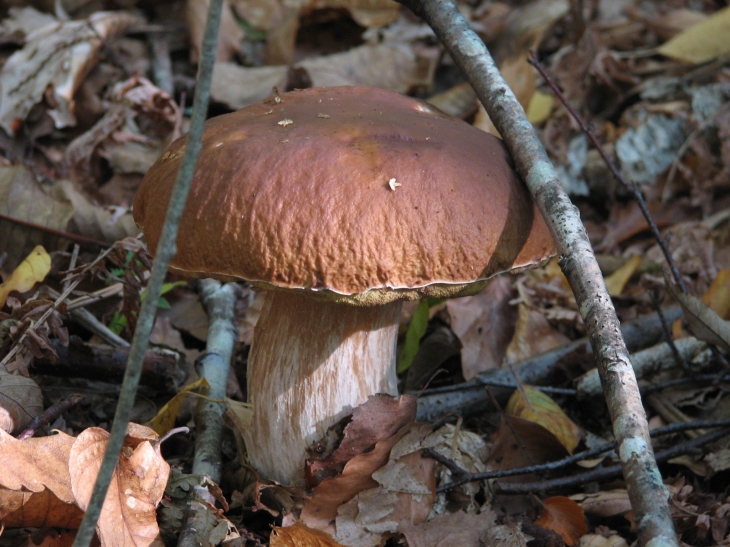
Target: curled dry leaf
{"points": [[300, 535], [35, 488], [32, 270], [21, 400], [52, 64], [564, 516], [128, 518], [532, 404], [139, 124], [533, 335]]}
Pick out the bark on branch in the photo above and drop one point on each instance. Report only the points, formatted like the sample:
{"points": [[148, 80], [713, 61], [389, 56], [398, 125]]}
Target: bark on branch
{"points": [[649, 497]]}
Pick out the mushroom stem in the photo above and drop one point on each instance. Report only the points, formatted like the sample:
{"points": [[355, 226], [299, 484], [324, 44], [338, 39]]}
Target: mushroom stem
{"points": [[311, 363]]}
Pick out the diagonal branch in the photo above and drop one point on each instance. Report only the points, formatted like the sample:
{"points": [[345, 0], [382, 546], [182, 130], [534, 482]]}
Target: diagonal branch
{"points": [[647, 492]]}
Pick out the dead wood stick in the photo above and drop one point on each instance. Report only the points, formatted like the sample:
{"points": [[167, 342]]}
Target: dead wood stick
{"points": [[470, 398], [161, 369], [648, 495]]}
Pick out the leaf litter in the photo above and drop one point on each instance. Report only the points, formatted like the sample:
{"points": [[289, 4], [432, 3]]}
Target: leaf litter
{"points": [[90, 98]]}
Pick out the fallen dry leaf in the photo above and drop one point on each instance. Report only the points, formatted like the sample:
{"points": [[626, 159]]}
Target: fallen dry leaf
{"points": [[300, 535], [230, 34], [703, 321], [32, 270], [129, 517], [504, 535], [24, 198], [520, 443], [21, 400], [718, 294], [532, 404], [607, 503], [484, 324], [52, 64], [377, 419], [533, 335], [450, 529], [564, 516], [616, 282], [702, 42]]}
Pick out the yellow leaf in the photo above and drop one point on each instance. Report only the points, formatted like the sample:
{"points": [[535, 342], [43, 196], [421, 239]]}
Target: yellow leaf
{"points": [[702, 42], [300, 535], [718, 295], [33, 269], [165, 418], [616, 282], [540, 106], [538, 407]]}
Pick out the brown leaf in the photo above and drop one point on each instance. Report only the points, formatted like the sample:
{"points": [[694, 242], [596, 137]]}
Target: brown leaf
{"points": [[704, 322], [532, 404], [450, 529], [20, 509], [128, 518], [36, 464], [378, 419], [300, 535], [533, 335], [21, 400], [520, 443], [484, 324], [564, 516], [23, 198], [320, 510]]}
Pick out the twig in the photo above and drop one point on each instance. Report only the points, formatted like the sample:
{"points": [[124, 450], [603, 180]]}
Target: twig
{"points": [[71, 265], [89, 320], [712, 379], [668, 338], [165, 251], [50, 415], [469, 398], [73, 237], [651, 360], [14, 350], [647, 492], [462, 476], [604, 473], [631, 187], [219, 301]]}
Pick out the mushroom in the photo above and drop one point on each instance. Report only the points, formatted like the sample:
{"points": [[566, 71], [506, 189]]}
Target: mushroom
{"points": [[340, 203]]}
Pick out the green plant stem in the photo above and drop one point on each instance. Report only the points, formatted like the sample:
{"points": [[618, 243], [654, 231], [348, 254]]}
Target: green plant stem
{"points": [[165, 251]]}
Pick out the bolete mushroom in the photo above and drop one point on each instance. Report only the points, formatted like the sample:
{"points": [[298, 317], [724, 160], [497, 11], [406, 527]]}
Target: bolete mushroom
{"points": [[341, 203]]}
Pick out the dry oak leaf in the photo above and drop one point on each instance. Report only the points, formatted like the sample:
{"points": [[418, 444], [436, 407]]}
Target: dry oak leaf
{"points": [[128, 518], [532, 404], [300, 535], [450, 529], [563, 515], [35, 486]]}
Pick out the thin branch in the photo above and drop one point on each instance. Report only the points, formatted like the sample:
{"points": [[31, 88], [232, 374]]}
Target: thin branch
{"points": [[19, 344], [83, 240], [165, 251], [50, 415], [647, 492], [462, 476], [603, 473], [631, 187]]}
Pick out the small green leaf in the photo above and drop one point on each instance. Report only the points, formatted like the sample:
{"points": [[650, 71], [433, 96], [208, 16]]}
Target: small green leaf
{"points": [[117, 323], [416, 329]]}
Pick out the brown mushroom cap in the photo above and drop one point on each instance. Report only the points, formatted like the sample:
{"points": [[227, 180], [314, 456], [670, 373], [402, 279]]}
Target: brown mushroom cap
{"points": [[297, 195]]}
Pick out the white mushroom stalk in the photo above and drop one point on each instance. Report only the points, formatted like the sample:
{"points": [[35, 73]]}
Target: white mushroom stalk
{"points": [[311, 363]]}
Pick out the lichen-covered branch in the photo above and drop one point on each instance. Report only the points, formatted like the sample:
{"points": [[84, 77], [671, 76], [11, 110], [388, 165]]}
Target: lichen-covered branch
{"points": [[649, 497]]}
